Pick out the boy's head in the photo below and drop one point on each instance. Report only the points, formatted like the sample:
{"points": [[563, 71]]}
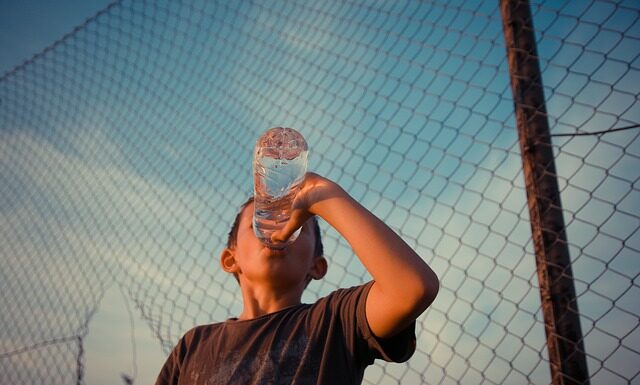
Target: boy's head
{"points": [[245, 255]]}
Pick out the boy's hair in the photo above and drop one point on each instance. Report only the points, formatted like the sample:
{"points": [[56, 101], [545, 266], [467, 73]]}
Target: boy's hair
{"points": [[232, 240]]}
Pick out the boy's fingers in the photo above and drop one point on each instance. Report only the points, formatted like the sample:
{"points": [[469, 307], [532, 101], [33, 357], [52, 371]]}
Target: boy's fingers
{"points": [[283, 234], [295, 222], [278, 237]]}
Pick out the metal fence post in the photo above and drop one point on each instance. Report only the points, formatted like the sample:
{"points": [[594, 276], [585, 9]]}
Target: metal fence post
{"points": [[557, 291]]}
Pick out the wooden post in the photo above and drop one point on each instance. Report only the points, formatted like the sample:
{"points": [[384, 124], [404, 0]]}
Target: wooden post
{"points": [[557, 291]]}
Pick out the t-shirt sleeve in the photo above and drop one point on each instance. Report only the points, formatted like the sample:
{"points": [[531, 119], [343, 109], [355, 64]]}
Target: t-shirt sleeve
{"points": [[170, 372], [351, 306]]}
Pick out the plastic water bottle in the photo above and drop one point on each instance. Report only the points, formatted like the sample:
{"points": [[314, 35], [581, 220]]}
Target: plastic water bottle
{"points": [[279, 166]]}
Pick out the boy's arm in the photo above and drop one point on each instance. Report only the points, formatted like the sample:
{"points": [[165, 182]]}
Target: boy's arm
{"points": [[404, 284]]}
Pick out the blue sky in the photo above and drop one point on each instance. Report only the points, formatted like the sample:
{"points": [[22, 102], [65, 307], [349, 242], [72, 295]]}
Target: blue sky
{"points": [[127, 149], [27, 27]]}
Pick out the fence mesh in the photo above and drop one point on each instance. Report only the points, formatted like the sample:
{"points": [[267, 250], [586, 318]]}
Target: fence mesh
{"points": [[126, 149]]}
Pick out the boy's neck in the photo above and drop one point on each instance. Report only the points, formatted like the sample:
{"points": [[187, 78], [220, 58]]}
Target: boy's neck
{"points": [[259, 301]]}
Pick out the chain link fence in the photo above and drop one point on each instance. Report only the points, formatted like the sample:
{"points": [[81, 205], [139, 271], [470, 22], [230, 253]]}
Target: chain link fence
{"points": [[125, 151]]}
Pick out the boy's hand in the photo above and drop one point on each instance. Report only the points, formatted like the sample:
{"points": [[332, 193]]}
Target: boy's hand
{"points": [[314, 192]]}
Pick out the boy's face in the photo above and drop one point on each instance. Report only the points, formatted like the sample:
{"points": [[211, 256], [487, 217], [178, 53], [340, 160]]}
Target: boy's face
{"points": [[256, 263]]}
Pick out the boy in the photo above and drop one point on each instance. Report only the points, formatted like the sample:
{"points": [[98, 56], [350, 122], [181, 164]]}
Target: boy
{"points": [[278, 340]]}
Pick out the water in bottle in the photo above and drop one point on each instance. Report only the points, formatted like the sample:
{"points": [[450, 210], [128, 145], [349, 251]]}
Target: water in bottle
{"points": [[279, 166]]}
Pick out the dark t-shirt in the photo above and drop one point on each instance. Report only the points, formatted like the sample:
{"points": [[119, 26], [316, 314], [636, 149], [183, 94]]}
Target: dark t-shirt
{"points": [[328, 342]]}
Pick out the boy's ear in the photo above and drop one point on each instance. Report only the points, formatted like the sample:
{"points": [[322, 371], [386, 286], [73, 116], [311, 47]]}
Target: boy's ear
{"points": [[319, 268], [228, 261]]}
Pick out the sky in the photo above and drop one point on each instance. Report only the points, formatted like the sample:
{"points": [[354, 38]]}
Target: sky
{"points": [[127, 147], [26, 29]]}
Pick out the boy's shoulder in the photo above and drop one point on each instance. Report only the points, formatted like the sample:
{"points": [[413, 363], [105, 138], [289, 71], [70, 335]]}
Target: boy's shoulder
{"points": [[342, 296], [199, 332]]}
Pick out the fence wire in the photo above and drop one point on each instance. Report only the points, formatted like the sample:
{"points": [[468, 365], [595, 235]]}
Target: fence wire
{"points": [[125, 150]]}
